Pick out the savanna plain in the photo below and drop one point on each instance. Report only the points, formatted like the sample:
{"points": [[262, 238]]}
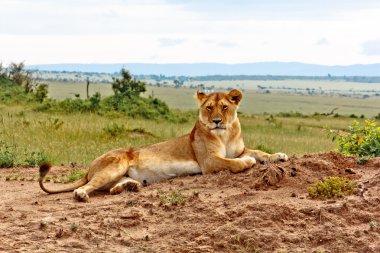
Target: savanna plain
{"points": [[268, 208]]}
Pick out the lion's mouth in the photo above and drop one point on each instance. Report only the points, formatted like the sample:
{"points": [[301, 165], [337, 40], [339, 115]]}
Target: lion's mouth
{"points": [[218, 127]]}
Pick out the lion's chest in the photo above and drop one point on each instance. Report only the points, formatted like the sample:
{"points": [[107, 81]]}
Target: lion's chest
{"points": [[228, 146], [231, 149]]}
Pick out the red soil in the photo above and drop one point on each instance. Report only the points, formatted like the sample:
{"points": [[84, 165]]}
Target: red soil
{"points": [[264, 209]]}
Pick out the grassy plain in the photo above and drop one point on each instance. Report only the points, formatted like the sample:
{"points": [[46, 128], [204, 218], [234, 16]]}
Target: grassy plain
{"points": [[253, 102], [82, 137]]}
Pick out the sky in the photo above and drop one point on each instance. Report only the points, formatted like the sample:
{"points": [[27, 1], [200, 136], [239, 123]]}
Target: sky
{"points": [[327, 32]]}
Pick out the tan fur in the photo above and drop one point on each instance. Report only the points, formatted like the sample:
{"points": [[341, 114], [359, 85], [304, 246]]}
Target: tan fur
{"points": [[214, 144]]}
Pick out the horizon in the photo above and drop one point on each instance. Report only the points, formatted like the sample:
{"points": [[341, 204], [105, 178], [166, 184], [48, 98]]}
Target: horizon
{"points": [[190, 63], [334, 33]]}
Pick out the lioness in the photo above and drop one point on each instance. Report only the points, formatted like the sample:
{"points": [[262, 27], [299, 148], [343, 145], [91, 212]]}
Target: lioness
{"points": [[214, 144]]}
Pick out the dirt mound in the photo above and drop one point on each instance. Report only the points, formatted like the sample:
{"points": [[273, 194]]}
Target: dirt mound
{"points": [[265, 209]]}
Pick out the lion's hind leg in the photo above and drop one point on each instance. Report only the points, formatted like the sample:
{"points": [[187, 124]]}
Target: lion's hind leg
{"points": [[101, 178], [125, 183]]}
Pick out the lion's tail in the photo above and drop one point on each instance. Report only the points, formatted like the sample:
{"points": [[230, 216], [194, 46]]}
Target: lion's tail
{"points": [[44, 170]]}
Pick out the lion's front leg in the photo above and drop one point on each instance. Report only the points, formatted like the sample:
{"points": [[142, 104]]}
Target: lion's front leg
{"points": [[264, 157], [235, 165]]}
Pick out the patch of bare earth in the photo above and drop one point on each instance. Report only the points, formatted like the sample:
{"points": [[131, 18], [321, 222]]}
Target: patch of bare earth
{"points": [[264, 209]]}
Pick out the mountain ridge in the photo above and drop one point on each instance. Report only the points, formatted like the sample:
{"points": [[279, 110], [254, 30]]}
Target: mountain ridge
{"points": [[204, 69]]}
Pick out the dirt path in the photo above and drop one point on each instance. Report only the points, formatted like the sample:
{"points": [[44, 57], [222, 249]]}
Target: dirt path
{"points": [[265, 209]]}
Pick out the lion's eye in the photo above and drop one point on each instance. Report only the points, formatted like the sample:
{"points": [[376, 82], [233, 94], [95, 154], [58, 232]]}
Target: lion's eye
{"points": [[224, 107], [209, 108]]}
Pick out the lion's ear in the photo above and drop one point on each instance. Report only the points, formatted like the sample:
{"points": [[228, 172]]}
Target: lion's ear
{"points": [[201, 96], [235, 96]]}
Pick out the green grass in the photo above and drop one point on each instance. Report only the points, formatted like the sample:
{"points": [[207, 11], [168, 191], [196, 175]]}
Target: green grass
{"points": [[82, 137], [253, 103]]}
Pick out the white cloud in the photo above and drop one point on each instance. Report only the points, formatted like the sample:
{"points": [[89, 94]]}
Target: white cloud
{"points": [[322, 41], [44, 31], [371, 47], [168, 42], [227, 44]]}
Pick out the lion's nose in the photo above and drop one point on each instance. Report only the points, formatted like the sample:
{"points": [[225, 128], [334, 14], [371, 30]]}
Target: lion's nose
{"points": [[217, 121]]}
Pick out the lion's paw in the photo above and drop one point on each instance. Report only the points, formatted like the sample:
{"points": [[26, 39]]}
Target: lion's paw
{"points": [[117, 189], [81, 195], [130, 185], [250, 161], [279, 157], [133, 186]]}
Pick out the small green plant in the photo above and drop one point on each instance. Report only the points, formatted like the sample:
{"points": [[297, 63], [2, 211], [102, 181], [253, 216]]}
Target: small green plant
{"points": [[74, 175], [373, 224], [361, 141], [332, 187], [243, 246], [44, 223], [173, 198], [74, 227]]}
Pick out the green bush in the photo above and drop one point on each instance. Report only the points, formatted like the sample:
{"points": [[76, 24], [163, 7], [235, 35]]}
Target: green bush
{"points": [[332, 187], [362, 141], [36, 158], [7, 156], [114, 130], [138, 107], [11, 156], [41, 92], [13, 94]]}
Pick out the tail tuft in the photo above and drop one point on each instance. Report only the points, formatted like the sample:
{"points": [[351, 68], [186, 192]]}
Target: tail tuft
{"points": [[44, 169]]}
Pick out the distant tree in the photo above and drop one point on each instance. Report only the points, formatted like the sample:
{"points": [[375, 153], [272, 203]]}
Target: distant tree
{"points": [[87, 87], [176, 83], [18, 75], [41, 92], [127, 85], [3, 72]]}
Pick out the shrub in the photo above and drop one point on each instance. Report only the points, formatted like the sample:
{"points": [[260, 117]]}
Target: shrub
{"points": [[114, 130], [7, 156], [36, 158], [362, 141], [332, 187], [147, 108], [291, 114], [13, 94], [41, 92], [11, 156]]}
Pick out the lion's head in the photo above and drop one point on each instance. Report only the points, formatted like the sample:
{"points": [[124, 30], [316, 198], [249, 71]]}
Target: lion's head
{"points": [[218, 110]]}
